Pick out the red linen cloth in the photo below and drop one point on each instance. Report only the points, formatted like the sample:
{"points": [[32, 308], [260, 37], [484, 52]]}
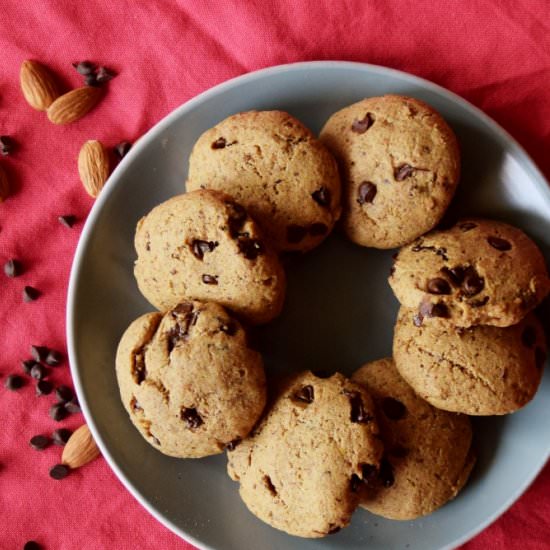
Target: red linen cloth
{"points": [[494, 53]]}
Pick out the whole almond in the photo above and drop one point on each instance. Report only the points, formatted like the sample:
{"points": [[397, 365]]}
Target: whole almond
{"points": [[74, 105], [38, 85], [4, 185], [80, 449], [93, 166]]}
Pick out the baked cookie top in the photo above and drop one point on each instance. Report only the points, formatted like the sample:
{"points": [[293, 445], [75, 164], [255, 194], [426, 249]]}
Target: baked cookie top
{"points": [[479, 272], [203, 245], [188, 380], [302, 466], [428, 455], [400, 165], [276, 168]]}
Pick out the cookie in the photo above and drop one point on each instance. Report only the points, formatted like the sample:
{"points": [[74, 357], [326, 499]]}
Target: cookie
{"points": [[400, 165], [275, 167], [301, 468], [479, 272], [428, 452], [189, 381], [481, 370], [204, 246]]}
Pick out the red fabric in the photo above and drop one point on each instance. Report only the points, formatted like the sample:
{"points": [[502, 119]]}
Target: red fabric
{"points": [[494, 53]]}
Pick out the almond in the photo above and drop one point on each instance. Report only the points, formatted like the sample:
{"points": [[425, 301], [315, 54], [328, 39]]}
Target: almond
{"points": [[93, 166], [80, 449], [74, 105], [38, 85], [4, 185]]}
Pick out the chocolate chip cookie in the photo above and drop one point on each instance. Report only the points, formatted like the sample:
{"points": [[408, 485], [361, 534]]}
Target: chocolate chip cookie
{"points": [[301, 469], [479, 272], [189, 381], [400, 165], [204, 246], [428, 452], [481, 370], [274, 166]]}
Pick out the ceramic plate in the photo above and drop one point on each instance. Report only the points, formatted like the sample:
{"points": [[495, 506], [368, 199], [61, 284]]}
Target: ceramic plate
{"points": [[339, 312]]}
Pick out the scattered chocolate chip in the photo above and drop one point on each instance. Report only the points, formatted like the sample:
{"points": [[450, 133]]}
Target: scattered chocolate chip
{"points": [[182, 308], [121, 149], [393, 409], [73, 406], [14, 382], [428, 309], [39, 372], [321, 196], [61, 436], [53, 358], [295, 233], [455, 274], [139, 370], [316, 229], [177, 334], [270, 486], [30, 294], [231, 446], [229, 327], [360, 126], [386, 473], [499, 244], [68, 221], [540, 357], [250, 248], [43, 387], [210, 279], [191, 418], [439, 251], [366, 192], [220, 143], [32, 545], [529, 336], [466, 226], [64, 393], [200, 248], [370, 474], [12, 268], [27, 365], [40, 442], [358, 413], [438, 285], [403, 171], [305, 394], [7, 145], [84, 67], [104, 75], [354, 483], [472, 284], [59, 471], [236, 220], [479, 303], [58, 412], [39, 353]]}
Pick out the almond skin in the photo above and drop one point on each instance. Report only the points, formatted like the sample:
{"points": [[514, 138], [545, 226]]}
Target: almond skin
{"points": [[80, 449], [74, 105], [93, 167], [4, 185], [38, 85]]}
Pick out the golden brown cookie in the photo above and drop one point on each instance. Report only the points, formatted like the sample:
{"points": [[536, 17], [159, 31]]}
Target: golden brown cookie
{"points": [[301, 468], [204, 246], [275, 167], [428, 454], [481, 370], [400, 165], [189, 381]]}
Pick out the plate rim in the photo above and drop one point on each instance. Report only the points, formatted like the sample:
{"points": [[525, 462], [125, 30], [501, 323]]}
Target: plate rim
{"points": [[114, 181]]}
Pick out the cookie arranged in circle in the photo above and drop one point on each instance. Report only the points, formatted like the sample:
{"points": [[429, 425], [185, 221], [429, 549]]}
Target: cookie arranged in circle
{"points": [[481, 370], [479, 272], [301, 468], [276, 168], [400, 166], [428, 452], [204, 246], [189, 381]]}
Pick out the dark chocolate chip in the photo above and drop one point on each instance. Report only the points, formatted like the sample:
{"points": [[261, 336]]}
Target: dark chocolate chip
{"points": [[393, 409], [7, 145], [30, 294], [438, 285], [466, 226], [134, 405], [305, 394], [32, 545], [53, 358], [366, 192], [295, 233], [321, 196], [182, 308], [14, 382], [428, 309], [354, 483], [499, 244], [529, 336], [250, 248], [370, 474], [455, 274], [360, 126], [358, 413], [210, 279], [91, 80], [270, 486], [43, 387], [68, 220], [58, 412], [104, 75], [38, 372], [191, 418], [232, 445], [121, 149], [40, 442], [39, 353], [200, 248], [540, 357], [64, 393], [73, 406], [473, 284], [479, 303], [403, 171], [219, 143], [316, 229], [439, 251], [229, 327], [12, 268], [59, 471], [139, 370], [27, 365], [386, 473], [84, 67], [61, 436]]}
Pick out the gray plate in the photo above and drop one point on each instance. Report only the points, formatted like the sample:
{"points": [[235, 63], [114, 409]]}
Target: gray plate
{"points": [[339, 312]]}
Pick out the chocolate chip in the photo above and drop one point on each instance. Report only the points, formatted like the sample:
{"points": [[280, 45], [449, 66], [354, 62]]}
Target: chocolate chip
{"points": [[479, 303], [68, 220], [39, 353], [229, 327], [529, 336], [304, 394], [59, 471], [370, 474], [393, 409], [438, 285], [104, 75], [540, 357], [43, 387], [27, 365], [30, 294], [466, 226], [32, 545], [269, 484], [38, 372], [366, 192], [316, 229], [12, 268], [360, 126], [321, 196], [499, 244], [231, 446], [386, 473], [295, 233], [182, 308], [219, 143], [191, 418], [91, 80], [58, 412], [139, 370], [439, 251], [64, 393], [250, 248], [61, 436], [156, 441], [455, 274], [39, 442], [428, 309], [403, 171], [73, 406], [210, 279], [53, 358], [84, 67], [14, 382], [355, 483], [358, 413], [200, 248], [121, 149], [134, 405], [473, 284], [418, 319]]}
